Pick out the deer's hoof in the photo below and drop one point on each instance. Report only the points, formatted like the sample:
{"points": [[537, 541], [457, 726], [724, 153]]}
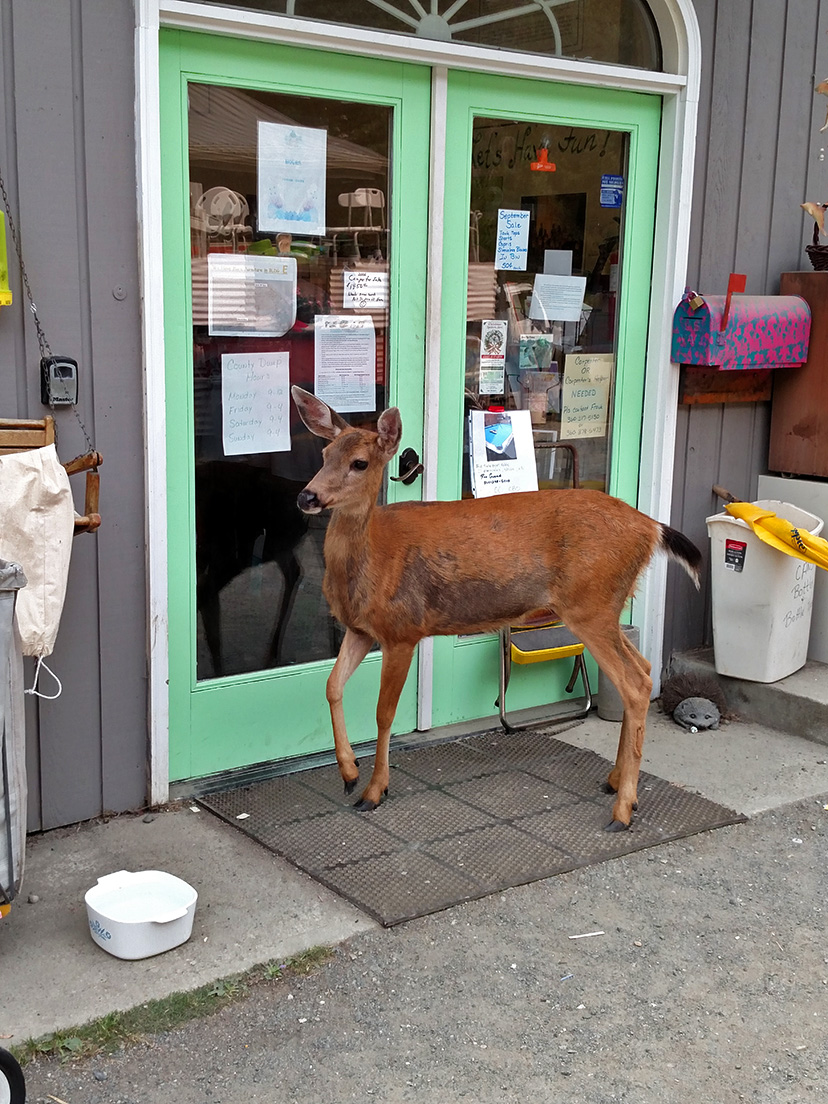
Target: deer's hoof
{"points": [[617, 826], [350, 783], [367, 805]]}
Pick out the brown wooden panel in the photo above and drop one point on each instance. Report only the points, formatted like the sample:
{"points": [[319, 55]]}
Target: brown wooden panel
{"points": [[799, 421], [710, 385]]}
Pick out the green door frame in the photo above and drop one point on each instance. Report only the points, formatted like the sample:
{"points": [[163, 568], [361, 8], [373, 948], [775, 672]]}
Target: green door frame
{"points": [[223, 724], [465, 669]]}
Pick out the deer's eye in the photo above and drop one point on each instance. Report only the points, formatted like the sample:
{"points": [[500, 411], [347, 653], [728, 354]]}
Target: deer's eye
{"points": [[359, 465]]}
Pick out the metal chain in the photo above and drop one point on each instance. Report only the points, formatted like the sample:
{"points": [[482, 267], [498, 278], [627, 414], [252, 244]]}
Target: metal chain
{"points": [[45, 348]]}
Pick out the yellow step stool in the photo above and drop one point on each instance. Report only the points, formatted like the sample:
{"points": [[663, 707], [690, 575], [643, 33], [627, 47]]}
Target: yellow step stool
{"points": [[542, 643]]}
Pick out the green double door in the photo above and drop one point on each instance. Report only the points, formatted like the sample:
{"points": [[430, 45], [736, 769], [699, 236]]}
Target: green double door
{"points": [[296, 227]]}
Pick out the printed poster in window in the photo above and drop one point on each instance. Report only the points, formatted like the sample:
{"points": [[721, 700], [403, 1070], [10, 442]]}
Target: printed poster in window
{"points": [[345, 361], [492, 357], [249, 296], [585, 394], [502, 452], [291, 178]]}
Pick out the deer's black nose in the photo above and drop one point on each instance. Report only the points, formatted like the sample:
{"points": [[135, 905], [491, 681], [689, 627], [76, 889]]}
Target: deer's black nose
{"points": [[308, 502]]}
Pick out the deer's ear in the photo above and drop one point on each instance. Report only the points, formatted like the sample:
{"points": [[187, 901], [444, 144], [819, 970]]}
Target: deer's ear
{"points": [[320, 418], [389, 431]]}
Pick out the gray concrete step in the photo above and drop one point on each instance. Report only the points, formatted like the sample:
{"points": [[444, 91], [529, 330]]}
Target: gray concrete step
{"points": [[797, 704]]}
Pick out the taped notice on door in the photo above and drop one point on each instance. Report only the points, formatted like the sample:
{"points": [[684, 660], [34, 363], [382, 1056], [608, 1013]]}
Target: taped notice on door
{"points": [[365, 289], [345, 361], [585, 394], [502, 452], [492, 357], [254, 403], [249, 296]]}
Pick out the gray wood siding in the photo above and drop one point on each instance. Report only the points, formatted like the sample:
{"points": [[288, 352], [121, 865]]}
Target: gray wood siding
{"points": [[756, 161], [68, 157]]}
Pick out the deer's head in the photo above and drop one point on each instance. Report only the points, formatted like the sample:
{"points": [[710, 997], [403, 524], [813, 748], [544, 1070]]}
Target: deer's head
{"points": [[353, 462]]}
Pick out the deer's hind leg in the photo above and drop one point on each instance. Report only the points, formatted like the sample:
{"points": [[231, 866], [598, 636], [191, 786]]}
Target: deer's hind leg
{"points": [[630, 674], [355, 647]]}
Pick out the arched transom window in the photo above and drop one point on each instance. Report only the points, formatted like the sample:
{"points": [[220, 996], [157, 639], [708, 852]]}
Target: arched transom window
{"points": [[614, 31]]}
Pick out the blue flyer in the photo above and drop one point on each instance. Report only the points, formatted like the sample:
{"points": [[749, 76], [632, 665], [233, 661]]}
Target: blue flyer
{"points": [[612, 190]]}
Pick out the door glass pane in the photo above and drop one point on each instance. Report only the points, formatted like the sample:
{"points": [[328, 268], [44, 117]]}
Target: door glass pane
{"points": [[620, 31], [289, 221], [545, 226]]}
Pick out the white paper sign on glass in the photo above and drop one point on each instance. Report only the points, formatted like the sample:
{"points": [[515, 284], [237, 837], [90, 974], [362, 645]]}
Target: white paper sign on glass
{"points": [[502, 453], [492, 357], [255, 414], [345, 361], [512, 244], [249, 296], [292, 178], [585, 394], [557, 298], [364, 289]]}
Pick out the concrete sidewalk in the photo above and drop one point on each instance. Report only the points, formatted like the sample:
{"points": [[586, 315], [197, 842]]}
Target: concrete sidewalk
{"points": [[253, 907]]}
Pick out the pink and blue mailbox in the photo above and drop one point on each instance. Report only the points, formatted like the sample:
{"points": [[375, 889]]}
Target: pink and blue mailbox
{"points": [[741, 331]]}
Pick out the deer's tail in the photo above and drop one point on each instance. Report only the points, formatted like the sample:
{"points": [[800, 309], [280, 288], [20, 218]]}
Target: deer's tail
{"points": [[682, 550]]}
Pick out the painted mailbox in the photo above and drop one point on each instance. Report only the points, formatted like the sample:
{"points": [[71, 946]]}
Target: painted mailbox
{"points": [[741, 331]]}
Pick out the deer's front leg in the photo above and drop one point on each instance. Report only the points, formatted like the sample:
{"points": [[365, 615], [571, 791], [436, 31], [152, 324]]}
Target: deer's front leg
{"points": [[354, 648], [396, 661]]}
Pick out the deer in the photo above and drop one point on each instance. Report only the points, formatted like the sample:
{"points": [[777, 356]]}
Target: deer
{"points": [[399, 573]]}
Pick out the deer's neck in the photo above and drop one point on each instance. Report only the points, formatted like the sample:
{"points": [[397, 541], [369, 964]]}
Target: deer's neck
{"points": [[348, 558]]}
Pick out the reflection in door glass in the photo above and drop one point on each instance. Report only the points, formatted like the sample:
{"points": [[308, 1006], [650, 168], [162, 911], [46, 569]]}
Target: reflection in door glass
{"points": [[289, 204], [545, 228]]}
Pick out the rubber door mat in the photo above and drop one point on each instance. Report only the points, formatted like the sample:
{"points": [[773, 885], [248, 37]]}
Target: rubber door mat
{"points": [[462, 820]]}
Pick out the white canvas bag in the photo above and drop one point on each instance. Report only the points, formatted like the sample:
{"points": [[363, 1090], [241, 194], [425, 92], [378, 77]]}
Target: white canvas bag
{"points": [[37, 520]]}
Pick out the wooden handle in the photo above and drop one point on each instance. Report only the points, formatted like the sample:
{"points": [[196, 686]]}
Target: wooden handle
{"points": [[93, 493], [87, 524], [724, 494], [87, 462]]}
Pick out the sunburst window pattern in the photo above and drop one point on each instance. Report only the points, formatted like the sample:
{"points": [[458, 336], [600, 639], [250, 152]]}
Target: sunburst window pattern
{"points": [[615, 31]]}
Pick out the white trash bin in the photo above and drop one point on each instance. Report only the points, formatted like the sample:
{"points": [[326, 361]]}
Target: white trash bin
{"points": [[762, 599]]}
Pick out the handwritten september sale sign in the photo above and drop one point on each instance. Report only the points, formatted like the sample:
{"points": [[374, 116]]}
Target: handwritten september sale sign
{"points": [[585, 394], [512, 244]]}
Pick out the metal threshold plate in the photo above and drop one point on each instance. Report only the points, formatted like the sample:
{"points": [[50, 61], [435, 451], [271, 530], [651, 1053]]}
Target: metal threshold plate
{"points": [[462, 820]]}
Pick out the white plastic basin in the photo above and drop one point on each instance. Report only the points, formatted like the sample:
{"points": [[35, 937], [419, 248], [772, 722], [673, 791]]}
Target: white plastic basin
{"points": [[136, 914]]}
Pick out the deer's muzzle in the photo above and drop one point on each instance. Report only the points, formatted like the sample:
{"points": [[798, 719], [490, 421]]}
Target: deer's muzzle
{"points": [[308, 503]]}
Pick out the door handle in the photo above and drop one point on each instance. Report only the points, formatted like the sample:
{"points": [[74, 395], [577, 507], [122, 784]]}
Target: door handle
{"points": [[410, 467]]}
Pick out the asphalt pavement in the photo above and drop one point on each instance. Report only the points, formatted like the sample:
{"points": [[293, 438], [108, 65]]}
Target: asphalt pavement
{"points": [[695, 969]]}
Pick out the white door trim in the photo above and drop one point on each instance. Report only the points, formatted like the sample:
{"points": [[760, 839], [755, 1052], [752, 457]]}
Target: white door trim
{"points": [[679, 88], [434, 297], [148, 173]]}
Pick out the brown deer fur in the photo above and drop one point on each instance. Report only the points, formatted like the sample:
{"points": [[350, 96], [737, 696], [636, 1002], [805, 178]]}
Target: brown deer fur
{"points": [[396, 574]]}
